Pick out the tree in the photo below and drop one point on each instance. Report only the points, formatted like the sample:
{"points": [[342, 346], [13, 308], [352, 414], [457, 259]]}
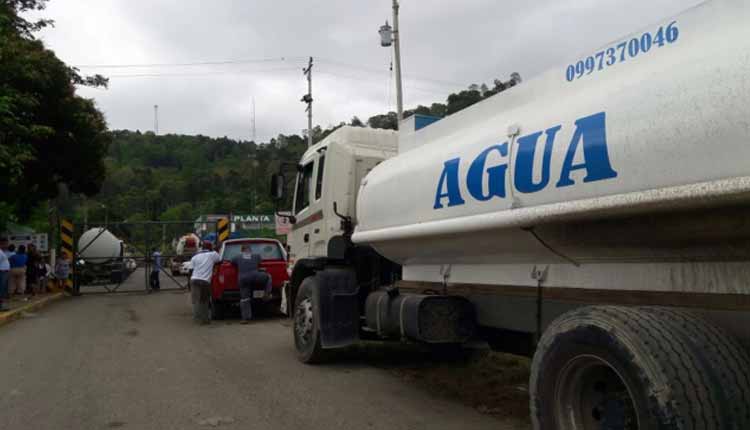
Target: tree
{"points": [[388, 121], [439, 110], [462, 100], [356, 122], [48, 135]]}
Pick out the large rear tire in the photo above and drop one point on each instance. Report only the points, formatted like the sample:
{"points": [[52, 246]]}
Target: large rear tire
{"points": [[305, 327], [638, 368]]}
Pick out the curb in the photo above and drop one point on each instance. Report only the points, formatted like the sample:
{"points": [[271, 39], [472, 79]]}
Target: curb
{"points": [[7, 317]]}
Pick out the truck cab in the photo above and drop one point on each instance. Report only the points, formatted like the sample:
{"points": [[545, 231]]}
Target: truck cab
{"points": [[325, 192]]}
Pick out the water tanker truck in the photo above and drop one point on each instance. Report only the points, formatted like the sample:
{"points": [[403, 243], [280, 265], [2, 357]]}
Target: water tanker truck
{"points": [[185, 248], [594, 218]]}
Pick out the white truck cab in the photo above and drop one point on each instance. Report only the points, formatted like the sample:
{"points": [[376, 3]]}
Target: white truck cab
{"points": [[329, 175]]}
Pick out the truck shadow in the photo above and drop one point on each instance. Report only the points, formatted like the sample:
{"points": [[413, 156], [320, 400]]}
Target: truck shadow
{"points": [[492, 383]]}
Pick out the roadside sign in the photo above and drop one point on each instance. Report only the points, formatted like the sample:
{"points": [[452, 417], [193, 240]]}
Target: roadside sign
{"points": [[38, 240], [283, 226]]}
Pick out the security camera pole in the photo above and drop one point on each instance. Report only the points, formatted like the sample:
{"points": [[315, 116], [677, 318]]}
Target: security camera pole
{"points": [[390, 37]]}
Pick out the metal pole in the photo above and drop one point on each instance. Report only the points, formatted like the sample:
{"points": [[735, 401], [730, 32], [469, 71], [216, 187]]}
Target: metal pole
{"points": [[397, 48], [253, 119], [147, 260], [156, 120], [309, 100]]}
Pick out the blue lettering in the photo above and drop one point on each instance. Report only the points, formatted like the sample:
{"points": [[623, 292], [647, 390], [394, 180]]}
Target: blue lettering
{"points": [[524, 171], [496, 174], [449, 179], [592, 131]]}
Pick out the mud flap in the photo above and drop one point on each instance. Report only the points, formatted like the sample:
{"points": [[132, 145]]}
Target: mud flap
{"points": [[337, 303]]}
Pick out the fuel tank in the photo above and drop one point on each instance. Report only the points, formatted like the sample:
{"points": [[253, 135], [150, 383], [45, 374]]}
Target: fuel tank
{"points": [[602, 158]]}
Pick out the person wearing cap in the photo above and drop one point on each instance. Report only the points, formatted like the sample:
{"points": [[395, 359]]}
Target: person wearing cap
{"points": [[4, 273], [202, 267]]}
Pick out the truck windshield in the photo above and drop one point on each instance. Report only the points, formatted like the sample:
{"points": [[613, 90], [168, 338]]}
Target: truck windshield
{"points": [[266, 250], [302, 199]]}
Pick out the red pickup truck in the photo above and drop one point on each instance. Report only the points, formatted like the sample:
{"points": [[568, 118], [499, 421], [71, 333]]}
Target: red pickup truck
{"points": [[224, 289]]}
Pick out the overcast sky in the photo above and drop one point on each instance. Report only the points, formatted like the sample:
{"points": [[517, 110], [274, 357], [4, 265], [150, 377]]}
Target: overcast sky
{"points": [[446, 46]]}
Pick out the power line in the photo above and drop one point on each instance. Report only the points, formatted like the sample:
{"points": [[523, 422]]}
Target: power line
{"points": [[227, 72], [365, 68], [189, 64], [359, 78], [372, 69]]}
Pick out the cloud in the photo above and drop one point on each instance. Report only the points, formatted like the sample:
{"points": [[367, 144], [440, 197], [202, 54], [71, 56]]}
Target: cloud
{"points": [[446, 46]]}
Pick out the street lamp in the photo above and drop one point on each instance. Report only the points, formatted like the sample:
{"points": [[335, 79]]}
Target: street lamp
{"points": [[391, 36]]}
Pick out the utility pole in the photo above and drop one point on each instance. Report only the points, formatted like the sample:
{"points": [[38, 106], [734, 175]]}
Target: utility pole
{"points": [[307, 98], [397, 49], [391, 36], [253, 120], [156, 119]]}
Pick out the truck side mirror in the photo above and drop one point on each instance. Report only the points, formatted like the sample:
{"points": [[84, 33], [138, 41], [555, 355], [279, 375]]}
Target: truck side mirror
{"points": [[277, 186]]}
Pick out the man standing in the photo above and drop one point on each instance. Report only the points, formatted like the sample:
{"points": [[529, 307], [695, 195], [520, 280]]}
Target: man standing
{"points": [[155, 269], [250, 277], [4, 273], [18, 271], [202, 265]]}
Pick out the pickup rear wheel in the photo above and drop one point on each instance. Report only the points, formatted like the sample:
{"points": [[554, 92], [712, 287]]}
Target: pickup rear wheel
{"points": [[647, 368], [306, 330]]}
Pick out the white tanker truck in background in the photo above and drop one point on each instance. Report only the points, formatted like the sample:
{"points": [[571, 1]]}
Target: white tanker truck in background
{"points": [[185, 248], [594, 217], [102, 258]]}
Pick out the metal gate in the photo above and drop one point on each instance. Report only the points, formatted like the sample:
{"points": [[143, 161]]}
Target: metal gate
{"points": [[100, 267]]}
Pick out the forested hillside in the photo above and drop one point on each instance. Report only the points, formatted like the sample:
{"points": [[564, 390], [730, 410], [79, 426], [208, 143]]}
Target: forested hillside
{"points": [[177, 177]]}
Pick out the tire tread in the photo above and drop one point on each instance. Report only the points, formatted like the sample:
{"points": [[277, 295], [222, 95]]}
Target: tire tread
{"points": [[685, 363]]}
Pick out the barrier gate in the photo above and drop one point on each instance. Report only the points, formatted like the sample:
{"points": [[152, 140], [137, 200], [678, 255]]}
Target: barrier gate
{"points": [[99, 267]]}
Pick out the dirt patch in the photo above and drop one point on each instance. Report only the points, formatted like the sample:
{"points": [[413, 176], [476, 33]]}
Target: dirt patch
{"points": [[132, 332], [132, 315], [493, 383]]}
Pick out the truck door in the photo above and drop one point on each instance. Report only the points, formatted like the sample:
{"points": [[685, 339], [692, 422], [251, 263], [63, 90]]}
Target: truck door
{"points": [[318, 233], [300, 238]]}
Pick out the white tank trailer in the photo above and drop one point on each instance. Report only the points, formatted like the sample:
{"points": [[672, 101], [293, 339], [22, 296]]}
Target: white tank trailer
{"points": [[101, 253], [185, 248], [594, 217]]}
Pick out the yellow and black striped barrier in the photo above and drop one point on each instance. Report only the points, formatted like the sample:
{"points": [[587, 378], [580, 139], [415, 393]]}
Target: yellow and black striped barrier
{"points": [[222, 229], [66, 239]]}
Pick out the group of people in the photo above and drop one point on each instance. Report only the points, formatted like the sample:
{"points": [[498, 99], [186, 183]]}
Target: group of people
{"points": [[25, 271], [249, 277]]}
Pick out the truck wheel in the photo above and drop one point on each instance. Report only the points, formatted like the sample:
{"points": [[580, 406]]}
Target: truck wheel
{"points": [[306, 331], [637, 368]]}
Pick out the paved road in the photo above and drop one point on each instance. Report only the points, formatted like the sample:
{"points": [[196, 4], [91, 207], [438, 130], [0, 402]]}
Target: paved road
{"points": [[136, 361]]}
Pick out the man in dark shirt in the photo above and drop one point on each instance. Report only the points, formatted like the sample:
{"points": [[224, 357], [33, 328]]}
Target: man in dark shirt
{"points": [[249, 278]]}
